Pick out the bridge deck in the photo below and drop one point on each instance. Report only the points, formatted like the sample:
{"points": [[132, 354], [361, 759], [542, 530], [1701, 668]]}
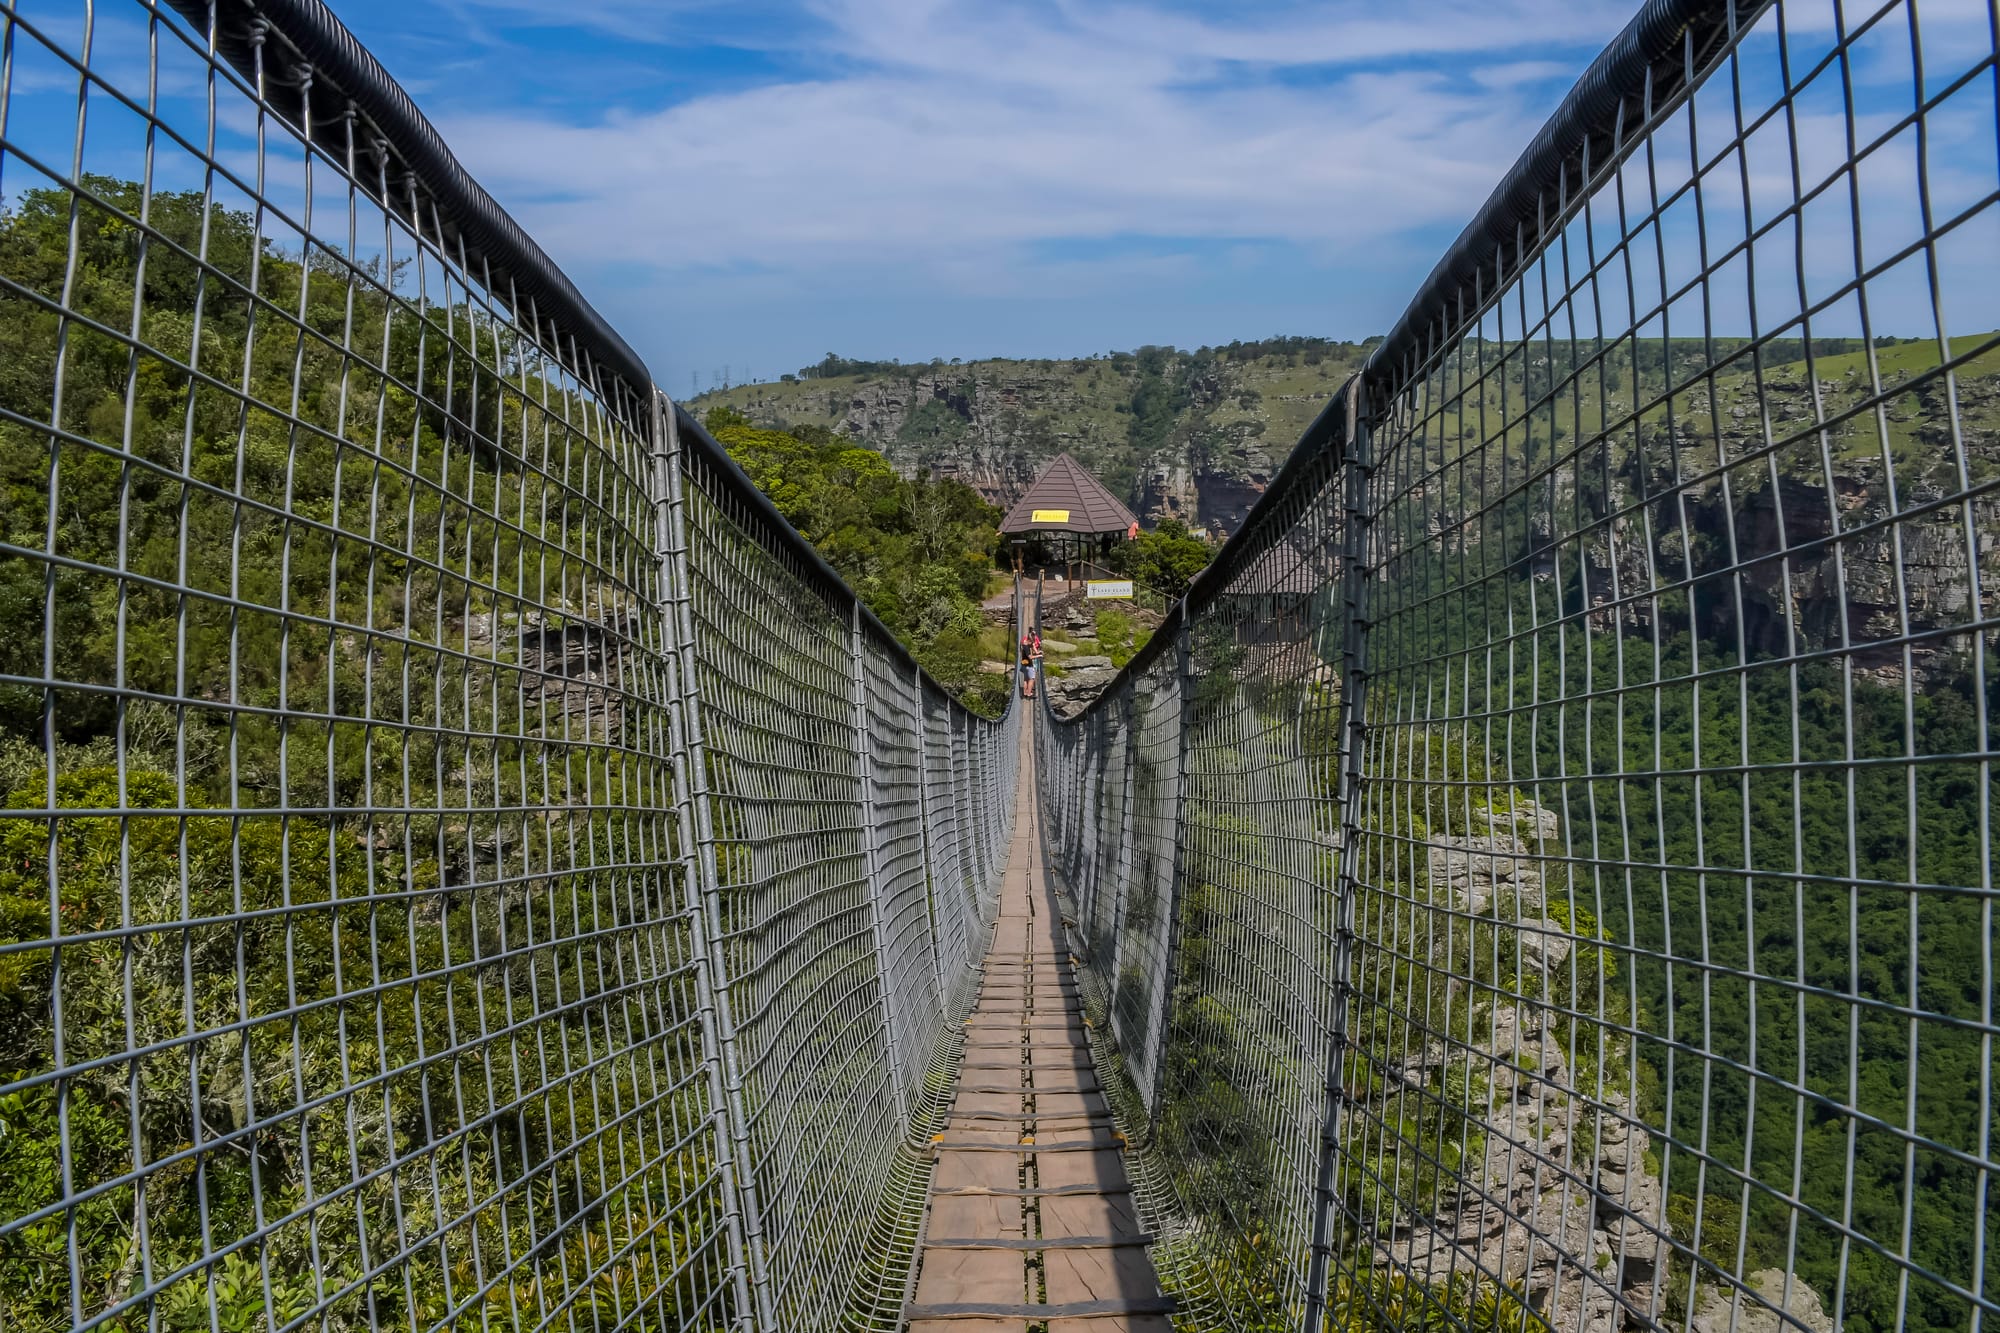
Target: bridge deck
{"points": [[1031, 1219]]}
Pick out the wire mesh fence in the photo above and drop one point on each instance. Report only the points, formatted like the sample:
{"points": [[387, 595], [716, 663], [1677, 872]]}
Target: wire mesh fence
{"points": [[1583, 914], [465, 861], [1190, 814]]}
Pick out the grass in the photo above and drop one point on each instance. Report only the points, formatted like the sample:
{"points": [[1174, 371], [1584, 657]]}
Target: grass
{"points": [[1119, 637], [997, 643]]}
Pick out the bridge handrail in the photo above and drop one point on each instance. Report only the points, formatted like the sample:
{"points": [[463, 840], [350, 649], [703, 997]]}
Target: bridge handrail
{"points": [[1650, 61], [519, 272]]}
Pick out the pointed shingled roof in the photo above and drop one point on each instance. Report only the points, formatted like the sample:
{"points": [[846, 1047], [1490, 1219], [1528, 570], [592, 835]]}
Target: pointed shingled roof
{"points": [[1066, 488]]}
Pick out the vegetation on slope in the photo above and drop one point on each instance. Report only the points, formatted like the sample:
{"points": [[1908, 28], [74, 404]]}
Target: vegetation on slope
{"points": [[1164, 560], [918, 550], [328, 1074], [1162, 427], [1790, 879]]}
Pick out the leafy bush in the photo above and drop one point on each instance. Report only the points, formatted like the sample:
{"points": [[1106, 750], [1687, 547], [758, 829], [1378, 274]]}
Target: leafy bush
{"points": [[1119, 637], [919, 551], [1165, 559]]}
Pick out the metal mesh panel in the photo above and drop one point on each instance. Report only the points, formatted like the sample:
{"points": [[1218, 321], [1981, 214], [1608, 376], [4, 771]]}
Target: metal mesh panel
{"points": [[1143, 946], [348, 962], [776, 676], [954, 901], [1676, 961], [439, 888], [1193, 820], [907, 946], [1123, 885], [1610, 788]]}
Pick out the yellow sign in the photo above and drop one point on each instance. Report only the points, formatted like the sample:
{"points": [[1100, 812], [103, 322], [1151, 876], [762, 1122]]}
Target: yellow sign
{"points": [[1049, 516]]}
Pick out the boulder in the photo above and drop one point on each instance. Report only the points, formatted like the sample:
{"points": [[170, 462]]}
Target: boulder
{"points": [[1757, 1311], [1544, 944]]}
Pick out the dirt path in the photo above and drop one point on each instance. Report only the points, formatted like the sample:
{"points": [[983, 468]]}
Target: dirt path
{"points": [[1031, 1220]]}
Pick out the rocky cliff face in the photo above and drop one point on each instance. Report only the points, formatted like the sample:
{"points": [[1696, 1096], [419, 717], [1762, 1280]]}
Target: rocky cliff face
{"points": [[1748, 522], [1198, 436], [1189, 435], [1554, 1196]]}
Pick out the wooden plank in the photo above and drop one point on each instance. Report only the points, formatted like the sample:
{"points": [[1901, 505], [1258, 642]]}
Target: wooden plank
{"points": [[1037, 1242], [1138, 1305]]}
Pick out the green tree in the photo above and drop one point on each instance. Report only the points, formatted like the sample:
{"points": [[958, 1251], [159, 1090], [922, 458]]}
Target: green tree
{"points": [[1165, 559], [919, 551], [346, 484]]}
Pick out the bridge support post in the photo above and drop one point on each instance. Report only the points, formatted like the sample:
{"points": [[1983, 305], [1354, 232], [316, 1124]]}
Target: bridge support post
{"points": [[871, 861], [1356, 464], [924, 832], [1163, 1004], [695, 835]]}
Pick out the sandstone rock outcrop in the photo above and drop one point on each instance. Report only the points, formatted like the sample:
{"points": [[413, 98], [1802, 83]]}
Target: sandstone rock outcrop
{"points": [[1719, 1311], [1557, 1199], [993, 424]]}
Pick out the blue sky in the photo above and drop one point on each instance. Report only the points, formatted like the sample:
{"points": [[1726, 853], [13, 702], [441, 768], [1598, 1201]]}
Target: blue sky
{"points": [[751, 184], [754, 183]]}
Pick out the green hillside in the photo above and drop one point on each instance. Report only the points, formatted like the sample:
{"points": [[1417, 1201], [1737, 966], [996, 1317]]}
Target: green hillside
{"points": [[1196, 435], [1179, 434]]}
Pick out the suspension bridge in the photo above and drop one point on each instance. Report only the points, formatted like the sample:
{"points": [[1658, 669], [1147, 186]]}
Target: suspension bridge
{"points": [[469, 862]]}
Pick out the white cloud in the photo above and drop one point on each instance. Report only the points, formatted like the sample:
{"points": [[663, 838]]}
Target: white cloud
{"points": [[655, 22], [1041, 166], [969, 134]]}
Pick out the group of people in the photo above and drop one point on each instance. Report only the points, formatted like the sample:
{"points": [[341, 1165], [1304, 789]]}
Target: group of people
{"points": [[1031, 660]]}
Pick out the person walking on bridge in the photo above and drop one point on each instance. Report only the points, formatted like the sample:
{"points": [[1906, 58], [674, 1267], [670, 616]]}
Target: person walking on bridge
{"points": [[1031, 660]]}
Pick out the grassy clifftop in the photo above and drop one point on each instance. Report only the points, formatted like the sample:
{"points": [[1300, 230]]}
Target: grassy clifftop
{"points": [[1193, 435], [1197, 435]]}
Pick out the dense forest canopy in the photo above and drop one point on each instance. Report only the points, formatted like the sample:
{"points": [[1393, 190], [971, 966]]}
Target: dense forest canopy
{"points": [[305, 544], [918, 550]]}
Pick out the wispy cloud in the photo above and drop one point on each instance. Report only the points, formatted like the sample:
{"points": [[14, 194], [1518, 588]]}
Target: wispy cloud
{"points": [[960, 129], [654, 22], [761, 180]]}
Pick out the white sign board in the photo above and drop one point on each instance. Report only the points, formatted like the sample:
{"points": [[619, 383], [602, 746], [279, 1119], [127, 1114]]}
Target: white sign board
{"points": [[1098, 589]]}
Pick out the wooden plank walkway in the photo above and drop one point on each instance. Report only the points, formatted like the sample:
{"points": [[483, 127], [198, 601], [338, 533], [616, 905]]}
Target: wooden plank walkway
{"points": [[1031, 1222]]}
